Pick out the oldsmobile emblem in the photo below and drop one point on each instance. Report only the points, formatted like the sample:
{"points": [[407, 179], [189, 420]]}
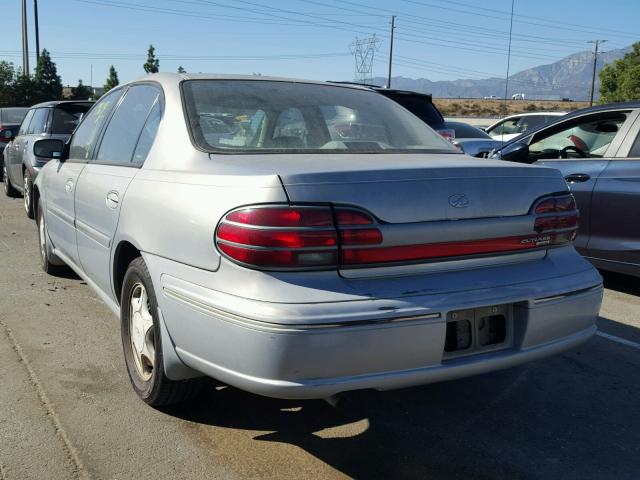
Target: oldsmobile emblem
{"points": [[459, 200]]}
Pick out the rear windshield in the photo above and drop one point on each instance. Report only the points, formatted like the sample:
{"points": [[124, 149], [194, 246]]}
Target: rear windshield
{"points": [[273, 116], [12, 116], [420, 105], [66, 117]]}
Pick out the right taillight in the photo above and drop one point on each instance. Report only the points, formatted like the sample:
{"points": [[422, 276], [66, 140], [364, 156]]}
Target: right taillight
{"points": [[557, 219]]}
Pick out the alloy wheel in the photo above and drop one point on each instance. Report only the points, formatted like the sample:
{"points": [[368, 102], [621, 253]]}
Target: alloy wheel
{"points": [[141, 332]]}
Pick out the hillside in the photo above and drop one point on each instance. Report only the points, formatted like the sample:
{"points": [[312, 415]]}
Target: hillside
{"points": [[566, 78]]}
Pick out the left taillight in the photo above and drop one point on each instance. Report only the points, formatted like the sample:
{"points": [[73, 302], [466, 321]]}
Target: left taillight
{"points": [[295, 237]]}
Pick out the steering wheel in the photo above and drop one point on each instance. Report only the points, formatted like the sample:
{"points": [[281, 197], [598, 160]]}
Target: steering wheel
{"points": [[581, 153]]}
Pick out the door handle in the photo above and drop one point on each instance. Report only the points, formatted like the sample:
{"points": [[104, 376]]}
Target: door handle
{"points": [[577, 178], [112, 199]]}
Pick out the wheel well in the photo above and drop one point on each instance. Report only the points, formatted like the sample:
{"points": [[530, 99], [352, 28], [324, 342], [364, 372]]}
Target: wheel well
{"points": [[125, 253]]}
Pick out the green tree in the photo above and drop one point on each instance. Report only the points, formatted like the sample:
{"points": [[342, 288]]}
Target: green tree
{"points": [[112, 80], [620, 80], [7, 75], [181, 70], [152, 65], [24, 91], [47, 80], [81, 92]]}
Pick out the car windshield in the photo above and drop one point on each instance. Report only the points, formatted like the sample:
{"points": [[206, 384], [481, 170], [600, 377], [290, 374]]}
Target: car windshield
{"points": [[12, 116], [66, 117], [276, 116]]}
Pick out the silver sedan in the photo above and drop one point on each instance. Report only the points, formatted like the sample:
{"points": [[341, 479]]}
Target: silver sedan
{"points": [[298, 239]]}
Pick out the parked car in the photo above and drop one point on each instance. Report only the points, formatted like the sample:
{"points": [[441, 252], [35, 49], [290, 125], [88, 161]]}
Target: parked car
{"points": [[292, 264], [514, 125], [55, 120], [471, 140], [10, 120], [598, 151]]}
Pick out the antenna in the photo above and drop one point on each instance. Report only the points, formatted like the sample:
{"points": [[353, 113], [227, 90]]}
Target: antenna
{"points": [[363, 50]]}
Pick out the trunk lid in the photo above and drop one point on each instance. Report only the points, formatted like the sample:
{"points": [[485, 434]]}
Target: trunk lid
{"points": [[408, 190]]}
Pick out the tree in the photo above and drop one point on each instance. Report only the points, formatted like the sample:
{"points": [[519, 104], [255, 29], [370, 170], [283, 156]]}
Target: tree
{"points": [[181, 70], [24, 91], [7, 75], [619, 81], [47, 81], [152, 65], [81, 92], [112, 80]]}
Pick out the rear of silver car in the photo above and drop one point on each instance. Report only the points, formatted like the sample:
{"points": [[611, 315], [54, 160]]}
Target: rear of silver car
{"points": [[443, 292]]}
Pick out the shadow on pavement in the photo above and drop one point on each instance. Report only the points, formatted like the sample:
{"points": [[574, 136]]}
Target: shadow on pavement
{"points": [[621, 283], [571, 417]]}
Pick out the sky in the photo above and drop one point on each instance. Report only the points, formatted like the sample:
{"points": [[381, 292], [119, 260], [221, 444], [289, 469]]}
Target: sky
{"points": [[313, 39]]}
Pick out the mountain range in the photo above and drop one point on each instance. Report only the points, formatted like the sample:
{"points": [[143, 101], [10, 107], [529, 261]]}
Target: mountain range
{"points": [[569, 77]]}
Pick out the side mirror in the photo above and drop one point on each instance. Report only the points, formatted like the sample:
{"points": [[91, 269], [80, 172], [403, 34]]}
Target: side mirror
{"points": [[49, 148], [516, 152]]}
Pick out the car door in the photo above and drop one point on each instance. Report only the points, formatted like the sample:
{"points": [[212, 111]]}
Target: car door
{"points": [[580, 148], [62, 177], [37, 129], [104, 181], [13, 153], [615, 212]]}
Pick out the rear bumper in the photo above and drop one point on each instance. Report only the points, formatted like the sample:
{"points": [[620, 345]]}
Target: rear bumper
{"points": [[320, 349]]}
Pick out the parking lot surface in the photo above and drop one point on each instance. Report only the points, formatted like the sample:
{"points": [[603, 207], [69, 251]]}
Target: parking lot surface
{"points": [[67, 410]]}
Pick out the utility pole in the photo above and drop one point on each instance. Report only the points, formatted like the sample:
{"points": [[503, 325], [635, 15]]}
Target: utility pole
{"points": [[595, 62], [25, 41], [393, 27], [506, 80], [35, 15]]}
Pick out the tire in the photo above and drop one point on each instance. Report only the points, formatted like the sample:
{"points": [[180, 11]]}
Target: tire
{"points": [[50, 263], [142, 342], [9, 191], [28, 194]]}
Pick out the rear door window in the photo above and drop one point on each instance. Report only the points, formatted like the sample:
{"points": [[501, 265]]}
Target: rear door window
{"points": [[148, 134], [125, 127], [25, 123], [38, 123], [635, 150], [86, 136]]}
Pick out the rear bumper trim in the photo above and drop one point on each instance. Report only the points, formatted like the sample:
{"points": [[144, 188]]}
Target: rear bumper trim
{"points": [[210, 309]]}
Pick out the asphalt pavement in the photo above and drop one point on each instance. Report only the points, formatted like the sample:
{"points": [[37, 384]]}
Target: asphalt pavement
{"points": [[67, 410]]}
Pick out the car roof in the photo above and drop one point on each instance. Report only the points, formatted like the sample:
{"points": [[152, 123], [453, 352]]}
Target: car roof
{"points": [[55, 103], [530, 114], [173, 78]]}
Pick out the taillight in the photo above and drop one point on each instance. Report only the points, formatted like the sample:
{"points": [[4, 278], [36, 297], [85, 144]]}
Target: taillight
{"points": [[557, 218], [298, 237], [280, 236], [293, 237]]}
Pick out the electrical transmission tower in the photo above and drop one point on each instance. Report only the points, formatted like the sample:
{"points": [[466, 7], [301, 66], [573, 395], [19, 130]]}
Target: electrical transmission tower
{"points": [[364, 50]]}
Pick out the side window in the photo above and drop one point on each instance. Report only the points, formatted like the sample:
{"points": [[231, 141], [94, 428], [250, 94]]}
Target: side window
{"points": [[38, 123], [25, 123], [635, 150], [505, 128], [148, 134], [125, 127], [587, 137], [86, 134]]}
